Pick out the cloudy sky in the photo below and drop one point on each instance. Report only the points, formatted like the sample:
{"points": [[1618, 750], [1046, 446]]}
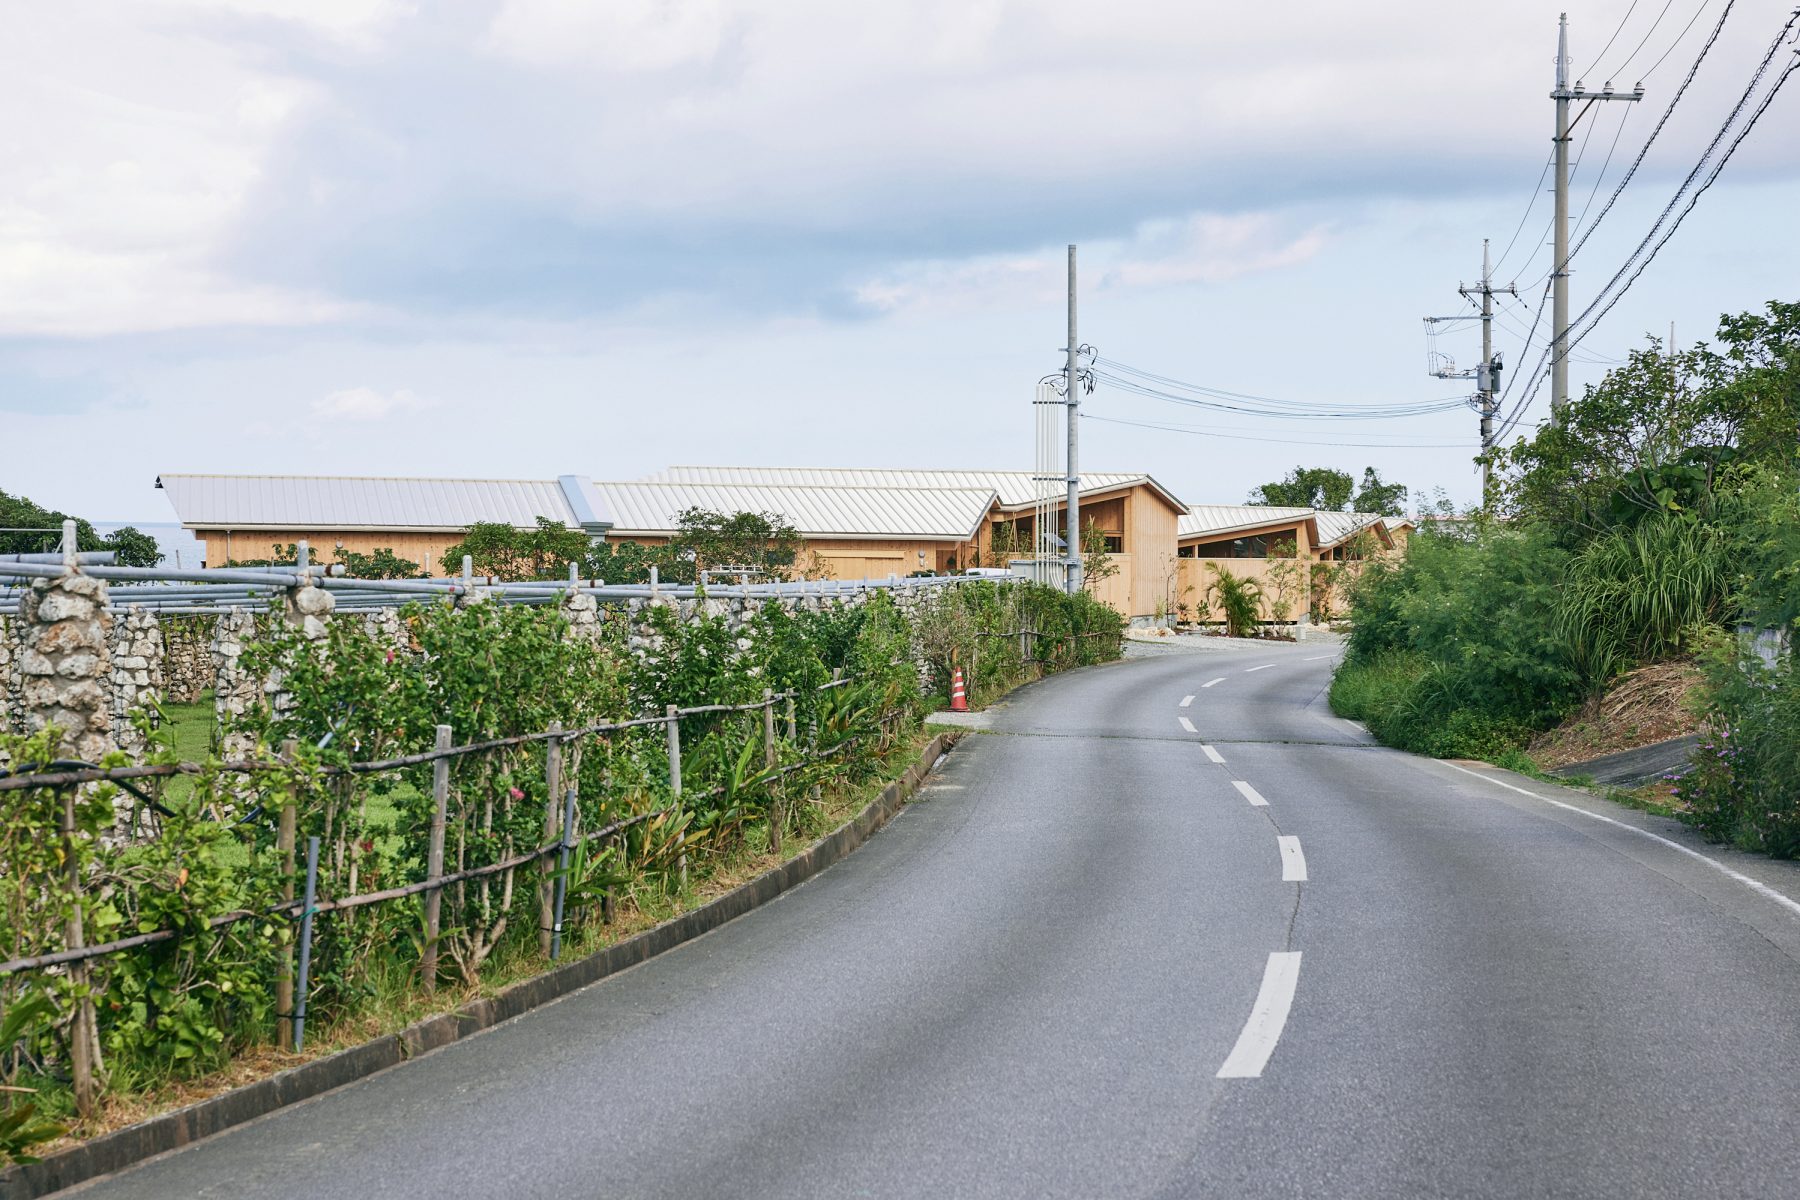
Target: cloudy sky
{"points": [[519, 238]]}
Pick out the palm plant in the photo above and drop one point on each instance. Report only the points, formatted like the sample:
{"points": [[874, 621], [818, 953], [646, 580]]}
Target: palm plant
{"points": [[1240, 599]]}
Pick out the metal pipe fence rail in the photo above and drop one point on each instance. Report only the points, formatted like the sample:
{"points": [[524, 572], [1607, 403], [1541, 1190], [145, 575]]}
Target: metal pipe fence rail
{"points": [[561, 839], [223, 589]]}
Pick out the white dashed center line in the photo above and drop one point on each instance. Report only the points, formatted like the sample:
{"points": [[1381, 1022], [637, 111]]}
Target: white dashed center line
{"points": [[1293, 862], [1213, 754], [1188, 725], [1249, 793], [1186, 700], [1264, 667], [1268, 1017], [1210, 682]]}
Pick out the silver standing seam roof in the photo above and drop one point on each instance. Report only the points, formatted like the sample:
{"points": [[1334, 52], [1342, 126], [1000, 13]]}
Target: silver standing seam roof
{"points": [[933, 514], [295, 502], [1331, 526], [1015, 488]]}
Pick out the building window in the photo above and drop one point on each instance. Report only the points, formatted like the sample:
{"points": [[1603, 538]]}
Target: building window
{"points": [[1255, 546]]}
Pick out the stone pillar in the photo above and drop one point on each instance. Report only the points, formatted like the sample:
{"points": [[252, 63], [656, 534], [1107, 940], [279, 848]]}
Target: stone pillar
{"points": [[305, 608], [583, 615], [137, 673], [65, 663], [188, 668], [12, 703], [234, 692]]}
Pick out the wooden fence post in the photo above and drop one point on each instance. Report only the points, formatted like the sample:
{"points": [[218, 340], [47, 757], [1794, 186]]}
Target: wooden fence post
{"points": [[434, 863], [674, 727], [284, 970], [775, 814], [81, 1033], [552, 813]]}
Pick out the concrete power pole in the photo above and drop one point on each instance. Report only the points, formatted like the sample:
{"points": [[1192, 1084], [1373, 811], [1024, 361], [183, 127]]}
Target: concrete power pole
{"points": [[1487, 375], [1559, 309], [1072, 376]]}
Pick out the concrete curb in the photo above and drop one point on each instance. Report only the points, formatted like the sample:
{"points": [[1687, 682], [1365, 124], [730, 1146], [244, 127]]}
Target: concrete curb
{"points": [[1634, 766], [170, 1131]]}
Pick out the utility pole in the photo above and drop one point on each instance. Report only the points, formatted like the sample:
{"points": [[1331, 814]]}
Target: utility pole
{"points": [[1072, 375], [1487, 375], [1559, 308]]}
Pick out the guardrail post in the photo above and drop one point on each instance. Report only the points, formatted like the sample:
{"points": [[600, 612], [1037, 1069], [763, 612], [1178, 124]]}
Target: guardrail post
{"points": [[81, 1034], [284, 970], [434, 862], [553, 793], [562, 873], [306, 932], [673, 724]]}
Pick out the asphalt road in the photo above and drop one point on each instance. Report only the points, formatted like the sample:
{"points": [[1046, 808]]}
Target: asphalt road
{"points": [[1087, 962]]}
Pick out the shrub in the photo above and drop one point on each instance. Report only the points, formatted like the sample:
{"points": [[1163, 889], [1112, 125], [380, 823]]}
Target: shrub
{"points": [[1744, 786]]}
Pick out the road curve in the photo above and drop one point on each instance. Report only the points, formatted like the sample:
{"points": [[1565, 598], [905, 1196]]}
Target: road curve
{"points": [[1088, 962]]}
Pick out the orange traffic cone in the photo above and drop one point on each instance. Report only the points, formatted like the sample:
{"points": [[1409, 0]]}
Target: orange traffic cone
{"points": [[959, 702]]}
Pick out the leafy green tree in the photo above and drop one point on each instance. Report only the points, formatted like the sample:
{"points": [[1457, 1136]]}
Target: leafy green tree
{"points": [[1375, 496], [1326, 488], [500, 550], [1307, 487], [1661, 433], [378, 564], [133, 547], [630, 562], [758, 541]]}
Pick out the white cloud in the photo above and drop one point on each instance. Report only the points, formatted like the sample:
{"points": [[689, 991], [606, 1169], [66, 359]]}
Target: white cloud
{"points": [[366, 404], [1202, 248], [626, 35]]}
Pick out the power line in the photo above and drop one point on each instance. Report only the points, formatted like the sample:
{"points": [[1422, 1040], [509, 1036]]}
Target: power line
{"points": [[1088, 416], [1176, 391], [1640, 46], [1694, 199], [1679, 38], [1656, 238], [1621, 29], [1637, 162]]}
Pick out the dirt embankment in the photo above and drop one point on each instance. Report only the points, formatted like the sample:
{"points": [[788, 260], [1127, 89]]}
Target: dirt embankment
{"points": [[1648, 705]]}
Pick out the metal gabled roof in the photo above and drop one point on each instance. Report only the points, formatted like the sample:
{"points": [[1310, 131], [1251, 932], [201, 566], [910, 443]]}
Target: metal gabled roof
{"points": [[1329, 526], [302, 502], [1206, 519], [1336, 527], [651, 509], [1015, 488]]}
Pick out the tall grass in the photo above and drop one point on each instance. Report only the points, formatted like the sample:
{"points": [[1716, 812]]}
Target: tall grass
{"points": [[1637, 594]]}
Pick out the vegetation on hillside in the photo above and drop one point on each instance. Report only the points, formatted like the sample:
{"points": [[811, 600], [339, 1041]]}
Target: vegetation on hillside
{"points": [[1658, 519]]}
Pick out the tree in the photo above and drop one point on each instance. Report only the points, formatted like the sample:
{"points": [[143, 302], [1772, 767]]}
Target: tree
{"points": [[1307, 487], [1660, 433], [1326, 488], [763, 542], [1096, 563], [1387, 499], [499, 549], [630, 562], [132, 547], [378, 564]]}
